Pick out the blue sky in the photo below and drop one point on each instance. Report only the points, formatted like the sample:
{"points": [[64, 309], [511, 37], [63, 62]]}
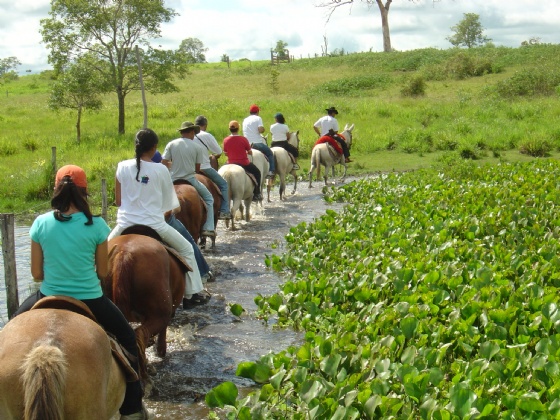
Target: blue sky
{"points": [[249, 28]]}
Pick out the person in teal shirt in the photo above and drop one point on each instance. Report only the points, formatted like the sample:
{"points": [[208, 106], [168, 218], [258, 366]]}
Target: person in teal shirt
{"points": [[69, 256]]}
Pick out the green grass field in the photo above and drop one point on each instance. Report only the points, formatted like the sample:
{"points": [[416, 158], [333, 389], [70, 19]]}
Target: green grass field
{"points": [[411, 110]]}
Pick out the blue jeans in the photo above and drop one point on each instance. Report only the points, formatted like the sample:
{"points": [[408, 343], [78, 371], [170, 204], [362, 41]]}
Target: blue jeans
{"points": [[200, 261], [208, 199], [222, 185], [261, 147]]}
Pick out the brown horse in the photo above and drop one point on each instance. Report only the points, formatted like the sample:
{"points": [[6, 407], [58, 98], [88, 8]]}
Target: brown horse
{"points": [[57, 364], [193, 209], [147, 283], [217, 196]]}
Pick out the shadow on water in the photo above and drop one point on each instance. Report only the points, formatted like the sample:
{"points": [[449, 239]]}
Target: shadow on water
{"points": [[206, 344]]}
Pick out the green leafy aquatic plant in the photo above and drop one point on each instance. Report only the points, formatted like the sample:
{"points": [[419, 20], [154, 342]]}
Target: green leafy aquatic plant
{"points": [[433, 294]]}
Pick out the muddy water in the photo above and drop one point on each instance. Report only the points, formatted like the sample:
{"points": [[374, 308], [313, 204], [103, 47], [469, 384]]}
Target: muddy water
{"points": [[205, 344]]}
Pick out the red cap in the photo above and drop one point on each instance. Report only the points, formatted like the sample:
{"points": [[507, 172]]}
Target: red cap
{"points": [[253, 108], [75, 172]]}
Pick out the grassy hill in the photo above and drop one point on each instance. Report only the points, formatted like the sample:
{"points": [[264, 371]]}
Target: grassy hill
{"points": [[411, 109]]}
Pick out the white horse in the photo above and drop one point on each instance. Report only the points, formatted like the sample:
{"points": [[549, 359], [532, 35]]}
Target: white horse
{"points": [[320, 155], [260, 161], [240, 190], [284, 166]]}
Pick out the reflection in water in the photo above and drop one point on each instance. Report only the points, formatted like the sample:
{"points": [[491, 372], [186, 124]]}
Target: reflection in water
{"points": [[206, 344]]}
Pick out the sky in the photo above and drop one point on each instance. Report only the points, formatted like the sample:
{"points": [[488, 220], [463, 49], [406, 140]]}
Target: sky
{"points": [[250, 28]]}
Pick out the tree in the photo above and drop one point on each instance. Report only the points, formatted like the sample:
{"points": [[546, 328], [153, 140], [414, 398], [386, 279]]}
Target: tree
{"points": [[383, 11], [78, 88], [194, 50], [109, 30], [468, 32], [280, 48], [8, 64]]}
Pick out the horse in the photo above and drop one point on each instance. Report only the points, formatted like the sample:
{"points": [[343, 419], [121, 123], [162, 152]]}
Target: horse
{"points": [[193, 209], [57, 364], [260, 161], [217, 196], [284, 166], [320, 155], [240, 188], [146, 280]]}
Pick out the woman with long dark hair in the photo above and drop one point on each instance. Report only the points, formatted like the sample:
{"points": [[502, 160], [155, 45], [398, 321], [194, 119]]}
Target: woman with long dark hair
{"points": [[69, 258]]}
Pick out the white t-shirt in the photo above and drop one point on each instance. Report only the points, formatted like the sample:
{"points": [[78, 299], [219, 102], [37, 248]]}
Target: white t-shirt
{"points": [[184, 154], [209, 143], [251, 126], [144, 202], [279, 132], [326, 123]]}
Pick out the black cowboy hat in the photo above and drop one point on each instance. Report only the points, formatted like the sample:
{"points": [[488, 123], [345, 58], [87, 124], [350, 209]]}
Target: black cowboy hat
{"points": [[332, 109]]}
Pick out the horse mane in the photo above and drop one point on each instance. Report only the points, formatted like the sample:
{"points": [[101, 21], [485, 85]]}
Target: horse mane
{"points": [[44, 378]]}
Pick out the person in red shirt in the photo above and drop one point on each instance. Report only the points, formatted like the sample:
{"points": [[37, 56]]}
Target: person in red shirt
{"points": [[237, 148]]}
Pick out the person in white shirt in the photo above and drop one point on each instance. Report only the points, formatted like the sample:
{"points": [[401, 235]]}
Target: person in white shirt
{"points": [[280, 136], [252, 129], [208, 142], [328, 125], [144, 192], [183, 157]]}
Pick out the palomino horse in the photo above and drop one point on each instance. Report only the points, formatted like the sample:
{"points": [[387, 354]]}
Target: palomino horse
{"points": [[260, 161], [57, 364], [217, 196], [240, 189], [284, 166], [147, 283], [320, 155], [193, 209]]}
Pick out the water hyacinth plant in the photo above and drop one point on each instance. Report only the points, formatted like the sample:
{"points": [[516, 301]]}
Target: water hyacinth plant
{"points": [[434, 294]]}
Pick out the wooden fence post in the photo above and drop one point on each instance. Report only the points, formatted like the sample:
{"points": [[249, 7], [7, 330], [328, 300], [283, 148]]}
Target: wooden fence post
{"points": [[104, 199], [9, 254]]}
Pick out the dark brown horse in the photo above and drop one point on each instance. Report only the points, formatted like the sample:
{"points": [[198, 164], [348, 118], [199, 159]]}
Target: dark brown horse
{"points": [[147, 282], [217, 196], [57, 364], [193, 209]]}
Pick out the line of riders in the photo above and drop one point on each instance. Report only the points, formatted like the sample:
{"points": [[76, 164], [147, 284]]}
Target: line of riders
{"points": [[69, 245]]}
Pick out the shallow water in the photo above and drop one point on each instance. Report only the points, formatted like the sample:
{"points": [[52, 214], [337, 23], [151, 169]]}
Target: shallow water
{"points": [[206, 344]]}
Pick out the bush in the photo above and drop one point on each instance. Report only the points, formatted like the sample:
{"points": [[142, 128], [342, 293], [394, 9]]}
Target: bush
{"points": [[536, 147], [415, 86], [352, 85], [7, 149], [30, 144], [530, 82]]}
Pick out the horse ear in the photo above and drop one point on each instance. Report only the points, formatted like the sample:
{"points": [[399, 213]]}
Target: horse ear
{"points": [[351, 127], [297, 132]]}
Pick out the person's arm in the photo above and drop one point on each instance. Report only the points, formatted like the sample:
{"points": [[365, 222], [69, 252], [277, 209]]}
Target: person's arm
{"points": [[317, 130], [117, 192], [167, 163], [37, 262], [102, 260], [197, 168], [261, 129]]}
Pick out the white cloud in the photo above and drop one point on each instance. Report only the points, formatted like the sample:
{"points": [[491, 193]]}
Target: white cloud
{"points": [[249, 28]]}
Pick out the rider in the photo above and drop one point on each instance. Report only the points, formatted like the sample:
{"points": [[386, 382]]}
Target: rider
{"points": [[280, 136], [183, 158], [143, 193], [237, 148], [328, 126], [252, 130], [209, 143], [69, 258]]}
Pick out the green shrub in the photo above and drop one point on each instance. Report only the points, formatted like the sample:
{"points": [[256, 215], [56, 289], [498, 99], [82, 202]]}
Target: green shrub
{"points": [[415, 86], [536, 147], [530, 82], [7, 149], [30, 144], [352, 85]]}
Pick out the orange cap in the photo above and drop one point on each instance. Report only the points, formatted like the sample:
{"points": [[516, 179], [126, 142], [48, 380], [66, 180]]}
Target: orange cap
{"points": [[234, 124], [75, 172]]}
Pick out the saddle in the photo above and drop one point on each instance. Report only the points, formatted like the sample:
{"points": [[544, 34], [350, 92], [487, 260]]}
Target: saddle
{"points": [[148, 231], [67, 303]]}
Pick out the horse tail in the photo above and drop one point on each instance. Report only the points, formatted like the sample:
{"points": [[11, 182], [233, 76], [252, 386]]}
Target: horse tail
{"points": [[121, 271], [317, 162], [44, 379]]}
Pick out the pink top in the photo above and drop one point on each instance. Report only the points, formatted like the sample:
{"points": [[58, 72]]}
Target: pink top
{"points": [[236, 148]]}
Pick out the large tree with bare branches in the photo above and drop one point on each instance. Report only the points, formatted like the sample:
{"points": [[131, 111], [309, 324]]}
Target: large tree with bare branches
{"points": [[383, 10]]}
